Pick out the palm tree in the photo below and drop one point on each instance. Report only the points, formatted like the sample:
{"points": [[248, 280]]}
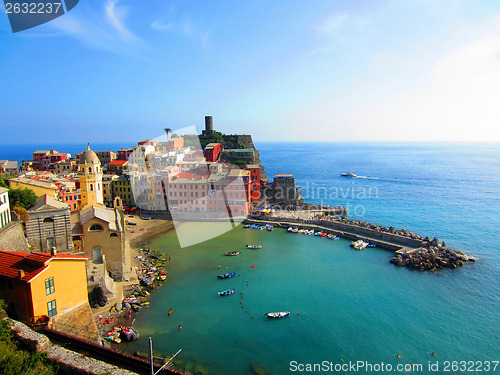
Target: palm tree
{"points": [[167, 130]]}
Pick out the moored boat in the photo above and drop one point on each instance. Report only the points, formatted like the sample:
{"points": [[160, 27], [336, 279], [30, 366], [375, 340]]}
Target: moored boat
{"points": [[226, 275], [226, 292], [290, 229], [232, 253], [277, 315], [359, 244]]}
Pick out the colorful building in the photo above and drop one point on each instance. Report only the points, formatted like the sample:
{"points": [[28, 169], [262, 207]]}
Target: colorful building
{"points": [[39, 286], [212, 151], [73, 198], [255, 182], [124, 153], [40, 187], [90, 176], [4, 207], [117, 167], [8, 166], [106, 157]]}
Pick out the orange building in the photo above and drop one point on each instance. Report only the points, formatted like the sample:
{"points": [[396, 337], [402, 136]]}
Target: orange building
{"points": [[38, 286]]}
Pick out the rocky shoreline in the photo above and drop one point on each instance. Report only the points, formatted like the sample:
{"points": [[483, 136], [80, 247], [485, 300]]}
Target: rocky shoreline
{"points": [[430, 257], [422, 254]]}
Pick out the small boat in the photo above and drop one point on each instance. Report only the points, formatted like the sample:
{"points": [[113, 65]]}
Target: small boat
{"points": [[226, 292], [269, 228], [252, 266], [295, 230], [323, 234], [359, 245], [290, 229], [162, 277], [350, 175], [311, 232], [231, 253], [277, 315], [372, 245], [254, 246], [247, 226], [335, 238], [301, 231], [329, 235], [226, 275], [317, 233]]}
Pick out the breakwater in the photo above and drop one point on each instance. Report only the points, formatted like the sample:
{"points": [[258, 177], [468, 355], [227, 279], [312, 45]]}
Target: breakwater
{"points": [[411, 251]]}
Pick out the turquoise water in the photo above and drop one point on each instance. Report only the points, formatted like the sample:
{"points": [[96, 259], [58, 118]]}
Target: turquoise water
{"points": [[352, 305]]}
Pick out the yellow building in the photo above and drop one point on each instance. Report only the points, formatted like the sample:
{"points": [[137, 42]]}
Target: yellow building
{"points": [[39, 286], [90, 176], [96, 230], [39, 187]]}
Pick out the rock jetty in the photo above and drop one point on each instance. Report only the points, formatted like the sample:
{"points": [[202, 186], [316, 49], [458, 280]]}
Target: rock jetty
{"points": [[430, 257]]}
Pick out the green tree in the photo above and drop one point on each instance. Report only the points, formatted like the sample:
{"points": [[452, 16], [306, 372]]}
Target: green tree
{"points": [[3, 183], [25, 198]]}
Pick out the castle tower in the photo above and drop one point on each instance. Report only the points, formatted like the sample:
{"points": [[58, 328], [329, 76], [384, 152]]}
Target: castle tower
{"points": [[90, 176], [209, 125]]}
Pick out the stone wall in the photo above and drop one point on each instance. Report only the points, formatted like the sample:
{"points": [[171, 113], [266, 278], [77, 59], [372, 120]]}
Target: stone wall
{"points": [[68, 361], [12, 237]]}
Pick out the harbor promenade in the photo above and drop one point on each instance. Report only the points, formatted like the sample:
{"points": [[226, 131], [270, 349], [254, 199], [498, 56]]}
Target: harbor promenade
{"points": [[392, 242]]}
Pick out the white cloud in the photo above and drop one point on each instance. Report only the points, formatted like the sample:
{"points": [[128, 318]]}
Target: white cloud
{"points": [[116, 15], [161, 26]]}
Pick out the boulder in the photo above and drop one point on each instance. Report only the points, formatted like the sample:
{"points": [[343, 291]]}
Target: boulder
{"points": [[97, 297]]}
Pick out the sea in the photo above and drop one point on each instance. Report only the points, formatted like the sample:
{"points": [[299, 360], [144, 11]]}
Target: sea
{"points": [[351, 311]]}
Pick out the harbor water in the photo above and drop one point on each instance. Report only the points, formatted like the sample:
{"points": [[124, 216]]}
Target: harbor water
{"points": [[345, 305]]}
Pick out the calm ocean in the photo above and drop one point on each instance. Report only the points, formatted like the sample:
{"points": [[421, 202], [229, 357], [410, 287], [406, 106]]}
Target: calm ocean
{"points": [[352, 306]]}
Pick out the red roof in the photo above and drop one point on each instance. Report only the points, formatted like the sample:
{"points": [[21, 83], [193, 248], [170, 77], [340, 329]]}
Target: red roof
{"points": [[32, 264], [117, 162]]}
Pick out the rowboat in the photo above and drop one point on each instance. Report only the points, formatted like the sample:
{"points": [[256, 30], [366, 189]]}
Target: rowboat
{"points": [[226, 275], [278, 315], [226, 292], [232, 253]]}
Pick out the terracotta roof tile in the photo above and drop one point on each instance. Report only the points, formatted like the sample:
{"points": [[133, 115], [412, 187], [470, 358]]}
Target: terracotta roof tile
{"points": [[11, 262]]}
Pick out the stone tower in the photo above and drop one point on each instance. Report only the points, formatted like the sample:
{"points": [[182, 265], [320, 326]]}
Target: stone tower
{"points": [[90, 176]]}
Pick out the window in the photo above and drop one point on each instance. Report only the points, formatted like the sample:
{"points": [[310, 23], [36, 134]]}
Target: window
{"points": [[48, 220], [91, 187], [51, 309], [95, 228], [113, 235], [49, 286]]}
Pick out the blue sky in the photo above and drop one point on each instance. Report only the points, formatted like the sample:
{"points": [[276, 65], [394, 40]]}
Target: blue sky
{"points": [[322, 70]]}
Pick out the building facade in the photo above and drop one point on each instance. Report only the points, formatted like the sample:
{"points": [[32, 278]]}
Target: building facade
{"points": [[4, 207], [49, 226], [39, 286]]}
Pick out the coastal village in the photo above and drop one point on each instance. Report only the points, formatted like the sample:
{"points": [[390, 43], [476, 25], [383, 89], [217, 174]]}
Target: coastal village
{"points": [[75, 264]]}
